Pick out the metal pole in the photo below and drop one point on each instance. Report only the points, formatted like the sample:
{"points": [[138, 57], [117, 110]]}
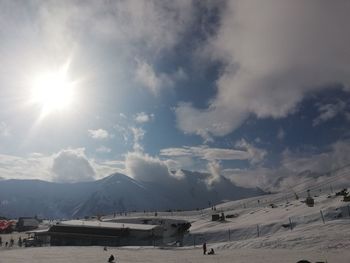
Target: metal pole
{"points": [[322, 216]]}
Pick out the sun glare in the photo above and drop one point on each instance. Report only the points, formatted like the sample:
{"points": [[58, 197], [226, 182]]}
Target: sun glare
{"points": [[53, 91]]}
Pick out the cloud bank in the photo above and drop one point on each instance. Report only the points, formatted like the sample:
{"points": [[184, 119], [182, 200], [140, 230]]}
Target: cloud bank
{"points": [[274, 53], [147, 168], [72, 166], [299, 169], [244, 151]]}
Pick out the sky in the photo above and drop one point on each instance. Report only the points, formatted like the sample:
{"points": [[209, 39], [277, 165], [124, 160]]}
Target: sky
{"points": [[256, 91]]}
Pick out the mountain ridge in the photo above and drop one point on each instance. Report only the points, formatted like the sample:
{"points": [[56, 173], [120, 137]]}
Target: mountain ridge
{"points": [[114, 193]]}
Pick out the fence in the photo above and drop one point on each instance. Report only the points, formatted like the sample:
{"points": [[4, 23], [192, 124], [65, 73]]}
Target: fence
{"points": [[263, 229]]}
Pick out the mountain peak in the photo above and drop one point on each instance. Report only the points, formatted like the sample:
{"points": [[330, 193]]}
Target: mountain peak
{"points": [[114, 193]]}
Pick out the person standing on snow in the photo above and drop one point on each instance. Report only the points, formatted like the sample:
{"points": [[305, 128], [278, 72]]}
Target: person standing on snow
{"points": [[204, 248]]}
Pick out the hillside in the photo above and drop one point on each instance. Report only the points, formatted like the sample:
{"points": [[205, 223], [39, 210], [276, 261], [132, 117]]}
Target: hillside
{"points": [[115, 193], [256, 223]]}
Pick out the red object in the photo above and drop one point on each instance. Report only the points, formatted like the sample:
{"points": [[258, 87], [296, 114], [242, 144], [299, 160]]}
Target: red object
{"points": [[6, 225]]}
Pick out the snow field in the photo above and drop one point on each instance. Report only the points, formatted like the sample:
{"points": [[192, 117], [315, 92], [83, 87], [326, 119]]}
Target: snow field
{"points": [[179, 255], [256, 234]]}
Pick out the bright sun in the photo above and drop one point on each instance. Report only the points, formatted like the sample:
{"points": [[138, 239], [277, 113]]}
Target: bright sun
{"points": [[52, 91]]}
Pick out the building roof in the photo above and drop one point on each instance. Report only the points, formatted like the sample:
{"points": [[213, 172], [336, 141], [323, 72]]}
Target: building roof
{"points": [[38, 231], [94, 224], [5, 224], [29, 222]]}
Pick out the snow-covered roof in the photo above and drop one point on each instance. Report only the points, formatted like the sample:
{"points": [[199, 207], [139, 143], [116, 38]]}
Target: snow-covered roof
{"points": [[107, 224], [38, 231]]}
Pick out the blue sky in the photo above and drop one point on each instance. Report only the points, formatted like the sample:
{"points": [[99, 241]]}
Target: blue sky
{"points": [[251, 91]]}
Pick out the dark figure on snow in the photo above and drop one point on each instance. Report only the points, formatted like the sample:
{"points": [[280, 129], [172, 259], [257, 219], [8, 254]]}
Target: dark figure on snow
{"points": [[211, 252], [111, 259], [204, 248], [20, 242], [12, 242], [6, 244]]}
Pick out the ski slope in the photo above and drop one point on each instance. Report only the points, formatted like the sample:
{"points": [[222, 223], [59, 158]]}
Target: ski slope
{"points": [[257, 233]]}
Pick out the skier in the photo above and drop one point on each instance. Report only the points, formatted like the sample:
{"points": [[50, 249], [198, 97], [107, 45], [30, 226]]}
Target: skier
{"points": [[204, 248], [111, 259], [20, 242], [11, 242]]}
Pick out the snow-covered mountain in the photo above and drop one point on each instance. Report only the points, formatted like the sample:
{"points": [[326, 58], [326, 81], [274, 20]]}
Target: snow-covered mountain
{"points": [[115, 193]]}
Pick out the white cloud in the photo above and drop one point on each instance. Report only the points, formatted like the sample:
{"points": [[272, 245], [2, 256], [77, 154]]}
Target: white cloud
{"points": [[158, 25], [256, 155], [147, 168], [155, 82], [122, 115], [68, 165], [123, 131], [138, 134], [107, 167], [206, 153], [5, 130], [337, 155], [298, 170], [72, 165], [328, 112], [103, 149], [34, 166], [182, 162], [274, 53], [143, 117], [217, 121], [98, 134], [146, 75], [214, 169], [245, 151], [258, 177], [281, 134]]}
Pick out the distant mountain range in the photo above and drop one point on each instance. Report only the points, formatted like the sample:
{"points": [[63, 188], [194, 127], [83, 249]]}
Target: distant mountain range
{"points": [[115, 193]]}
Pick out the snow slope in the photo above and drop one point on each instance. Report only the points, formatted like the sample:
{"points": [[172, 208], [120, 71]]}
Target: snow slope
{"points": [[145, 255], [235, 239], [259, 225]]}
